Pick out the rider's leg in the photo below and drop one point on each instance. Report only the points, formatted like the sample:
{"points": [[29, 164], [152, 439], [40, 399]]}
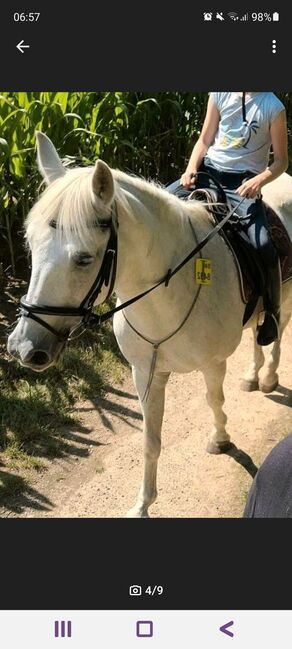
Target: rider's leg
{"points": [[259, 236], [173, 187], [256, 231]]}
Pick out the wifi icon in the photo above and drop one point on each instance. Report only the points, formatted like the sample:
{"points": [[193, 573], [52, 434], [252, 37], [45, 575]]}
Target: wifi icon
{"points": [[233, 15]]}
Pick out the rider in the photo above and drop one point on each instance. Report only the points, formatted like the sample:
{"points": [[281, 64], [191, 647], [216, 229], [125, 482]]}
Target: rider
{"points": [[234, 147]]}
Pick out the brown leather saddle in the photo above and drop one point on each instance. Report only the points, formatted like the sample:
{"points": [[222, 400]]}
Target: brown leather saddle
{"points": [[248, 262]]}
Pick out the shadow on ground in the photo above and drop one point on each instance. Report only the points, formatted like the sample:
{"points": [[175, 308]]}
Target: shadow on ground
{"points": [[243, 459], [16, 494], [38, 418], [284, 398]]}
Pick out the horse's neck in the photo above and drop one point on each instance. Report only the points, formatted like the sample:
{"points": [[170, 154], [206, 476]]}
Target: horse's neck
{"points": [[151, 238]]}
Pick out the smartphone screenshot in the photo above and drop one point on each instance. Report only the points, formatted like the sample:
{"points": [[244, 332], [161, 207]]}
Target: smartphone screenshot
{"points": [[145, 332]]}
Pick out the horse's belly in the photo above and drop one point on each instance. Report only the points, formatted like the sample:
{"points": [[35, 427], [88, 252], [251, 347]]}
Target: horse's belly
{"points": [[196, 351]]}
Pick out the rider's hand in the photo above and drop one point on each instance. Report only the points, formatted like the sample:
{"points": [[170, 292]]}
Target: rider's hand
{"points": [[250, 188], [188, 179]]}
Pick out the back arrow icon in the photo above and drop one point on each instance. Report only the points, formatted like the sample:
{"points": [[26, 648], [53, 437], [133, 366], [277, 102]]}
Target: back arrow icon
{"points": [[225, 627], [21, 46]]}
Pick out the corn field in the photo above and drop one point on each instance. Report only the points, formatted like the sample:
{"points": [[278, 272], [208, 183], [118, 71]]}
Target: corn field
{"points": [[148, 134]]}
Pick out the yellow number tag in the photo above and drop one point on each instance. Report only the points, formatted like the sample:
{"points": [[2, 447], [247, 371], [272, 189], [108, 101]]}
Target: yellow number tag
{"points": [[203, 271]]}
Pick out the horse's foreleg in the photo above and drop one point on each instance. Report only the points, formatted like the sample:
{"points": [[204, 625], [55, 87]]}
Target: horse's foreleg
{"points": [[250, 381], [270, 378], [152, 410], [214, 377]]}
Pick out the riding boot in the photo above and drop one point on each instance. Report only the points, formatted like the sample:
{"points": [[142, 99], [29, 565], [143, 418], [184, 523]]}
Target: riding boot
{"points": [[268, 332]]}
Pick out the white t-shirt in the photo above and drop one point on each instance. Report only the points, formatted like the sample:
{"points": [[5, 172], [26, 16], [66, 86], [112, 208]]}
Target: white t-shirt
{"points": [[239, 145]]}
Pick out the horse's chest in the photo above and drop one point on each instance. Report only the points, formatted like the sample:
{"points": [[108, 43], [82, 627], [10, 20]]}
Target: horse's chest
{"points": [[189, 349]]}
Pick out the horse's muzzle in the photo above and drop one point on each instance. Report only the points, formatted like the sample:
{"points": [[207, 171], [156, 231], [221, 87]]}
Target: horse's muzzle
{"points": [[36, 358]]}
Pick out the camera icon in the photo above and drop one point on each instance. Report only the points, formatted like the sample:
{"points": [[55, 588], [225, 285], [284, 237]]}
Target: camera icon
{"points": [[135, 591]]}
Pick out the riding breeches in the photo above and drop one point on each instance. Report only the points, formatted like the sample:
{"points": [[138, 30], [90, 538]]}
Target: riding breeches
{"points": [[254, 228]]}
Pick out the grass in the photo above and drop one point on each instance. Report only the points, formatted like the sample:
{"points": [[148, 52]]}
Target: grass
{"points": [[37, 410]]}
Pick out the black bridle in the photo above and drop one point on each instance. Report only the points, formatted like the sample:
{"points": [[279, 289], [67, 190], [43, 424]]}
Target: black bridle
{"points": [[106, 278]]}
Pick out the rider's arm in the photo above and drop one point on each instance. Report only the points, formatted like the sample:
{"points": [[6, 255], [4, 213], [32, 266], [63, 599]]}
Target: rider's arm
{"points": [[279, 139], [278, 130], [202, 145]]}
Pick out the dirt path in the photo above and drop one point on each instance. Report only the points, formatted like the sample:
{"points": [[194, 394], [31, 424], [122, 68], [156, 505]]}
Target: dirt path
{"points": [[103, 475]]}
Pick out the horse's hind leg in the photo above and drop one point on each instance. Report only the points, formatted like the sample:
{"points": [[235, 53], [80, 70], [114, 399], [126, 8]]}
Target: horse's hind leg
{"points": [[152, 409], [270, 379], [214, 376], [250, 381]]}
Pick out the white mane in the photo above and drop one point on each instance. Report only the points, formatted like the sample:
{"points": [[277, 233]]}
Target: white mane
{"points": [[69, 201]]}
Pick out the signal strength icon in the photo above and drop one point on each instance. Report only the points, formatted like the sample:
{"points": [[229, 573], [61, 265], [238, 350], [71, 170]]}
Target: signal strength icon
{"points": [[233, 15], [245, 17]]}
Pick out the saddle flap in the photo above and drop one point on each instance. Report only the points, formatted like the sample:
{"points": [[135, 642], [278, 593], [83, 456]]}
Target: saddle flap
{"points": [[281, 241]]}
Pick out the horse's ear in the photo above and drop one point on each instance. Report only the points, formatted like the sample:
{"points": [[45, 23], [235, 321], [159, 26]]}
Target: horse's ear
{"points": [[48, 160], [103, 182]]}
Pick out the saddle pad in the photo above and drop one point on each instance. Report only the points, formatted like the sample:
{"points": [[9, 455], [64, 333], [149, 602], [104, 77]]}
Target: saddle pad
{"points": [[281, 241]]}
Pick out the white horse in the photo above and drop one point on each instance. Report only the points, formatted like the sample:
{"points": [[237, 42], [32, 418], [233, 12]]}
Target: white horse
{"points": [[179, 328]]}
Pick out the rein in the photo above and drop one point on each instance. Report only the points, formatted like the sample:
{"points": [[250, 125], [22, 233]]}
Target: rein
{"points": [[106, 278]]}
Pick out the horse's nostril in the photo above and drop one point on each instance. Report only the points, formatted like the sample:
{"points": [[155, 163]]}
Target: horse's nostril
{"points": [[39, 358]]}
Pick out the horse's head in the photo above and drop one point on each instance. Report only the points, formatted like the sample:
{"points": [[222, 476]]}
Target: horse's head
{"points": [[67, 232]]}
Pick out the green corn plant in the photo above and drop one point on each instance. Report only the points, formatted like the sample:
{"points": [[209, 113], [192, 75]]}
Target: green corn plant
{"points": [[149, 134]]}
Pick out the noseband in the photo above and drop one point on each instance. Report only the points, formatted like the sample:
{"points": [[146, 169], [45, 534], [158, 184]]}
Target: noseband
{"points": [[105, 278]]}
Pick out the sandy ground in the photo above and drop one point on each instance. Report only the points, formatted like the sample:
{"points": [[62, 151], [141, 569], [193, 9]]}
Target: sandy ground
{"points": [[102, 476]]}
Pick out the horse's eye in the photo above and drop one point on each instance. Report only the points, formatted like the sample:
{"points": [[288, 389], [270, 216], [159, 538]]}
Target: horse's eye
{"points": [[82, 259]]}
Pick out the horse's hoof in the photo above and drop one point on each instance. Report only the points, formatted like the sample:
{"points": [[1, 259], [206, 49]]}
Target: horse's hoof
{"points": [[137, 512], [249, 386], [269, 388], [214, 448]]}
